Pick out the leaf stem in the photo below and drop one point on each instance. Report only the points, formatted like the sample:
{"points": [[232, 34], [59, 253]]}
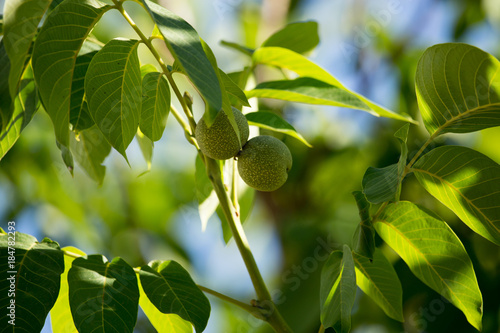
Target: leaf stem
{"points": [[321, 329], [274, 318], [247, 307]]}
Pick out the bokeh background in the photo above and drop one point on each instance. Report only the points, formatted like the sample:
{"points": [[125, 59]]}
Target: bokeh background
{"points": [[372, 46]]}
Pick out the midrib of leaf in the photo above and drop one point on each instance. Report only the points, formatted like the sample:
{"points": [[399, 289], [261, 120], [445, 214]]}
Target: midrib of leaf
{"points": [[104, 292], [374, 284], [122, 92], [460, 193], [464, 308], [337, 282], [177, 298]]}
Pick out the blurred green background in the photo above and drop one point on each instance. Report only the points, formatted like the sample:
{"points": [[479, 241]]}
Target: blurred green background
{"points": [[373, 48]]}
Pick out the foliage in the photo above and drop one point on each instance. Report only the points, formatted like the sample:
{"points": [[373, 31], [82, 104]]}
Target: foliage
{"points": [[100, 96]]}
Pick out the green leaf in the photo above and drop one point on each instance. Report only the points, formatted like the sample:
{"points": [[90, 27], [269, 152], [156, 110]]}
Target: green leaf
{"points": [[148, 68], [31, 273], [238, 47], [104, 296], [299, 37], [25, 105], [381, 184], [273, 122], [170, 288], [434, 254], [284, 58], [458, 89], [384, 184], [207, 198], [233, 89], [363, 240], [183, 42], [113, 88], [54, 57], [468, 183], [146, 146], [60, 315], [20, 26], [379, 280], [155, 105], [162, 322], [338, 290], [90, 148], [246, 200], [79, 116], [6, 107]]}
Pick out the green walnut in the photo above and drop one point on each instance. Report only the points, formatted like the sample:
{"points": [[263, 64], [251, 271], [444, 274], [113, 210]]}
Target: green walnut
{"points": [[220, 141], [264, 162]]}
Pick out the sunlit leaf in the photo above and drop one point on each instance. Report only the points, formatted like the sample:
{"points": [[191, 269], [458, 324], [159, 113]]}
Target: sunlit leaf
{"points": [[25, 105], [322, 83], [338, 290], [113, 89], [363, 240], [273, 122], [434, 254], [104, 296], [172, 290], [60, 315], [162, 322], [458, 89], [54, 56], [146, 146], [31, 277], [184, 43], [20, 26], [299, 37], [233, 89], [155, 105], [468, 183], [378, 279], [90, 148]]}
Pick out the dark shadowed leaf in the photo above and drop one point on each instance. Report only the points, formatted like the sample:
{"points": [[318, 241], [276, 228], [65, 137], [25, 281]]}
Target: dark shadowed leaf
{"points": [[363, 240], [33, 271], [468, 183], [170, 288], [184, 43], [79, 116], [162, 322], [104, 296], [434, 254]]}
